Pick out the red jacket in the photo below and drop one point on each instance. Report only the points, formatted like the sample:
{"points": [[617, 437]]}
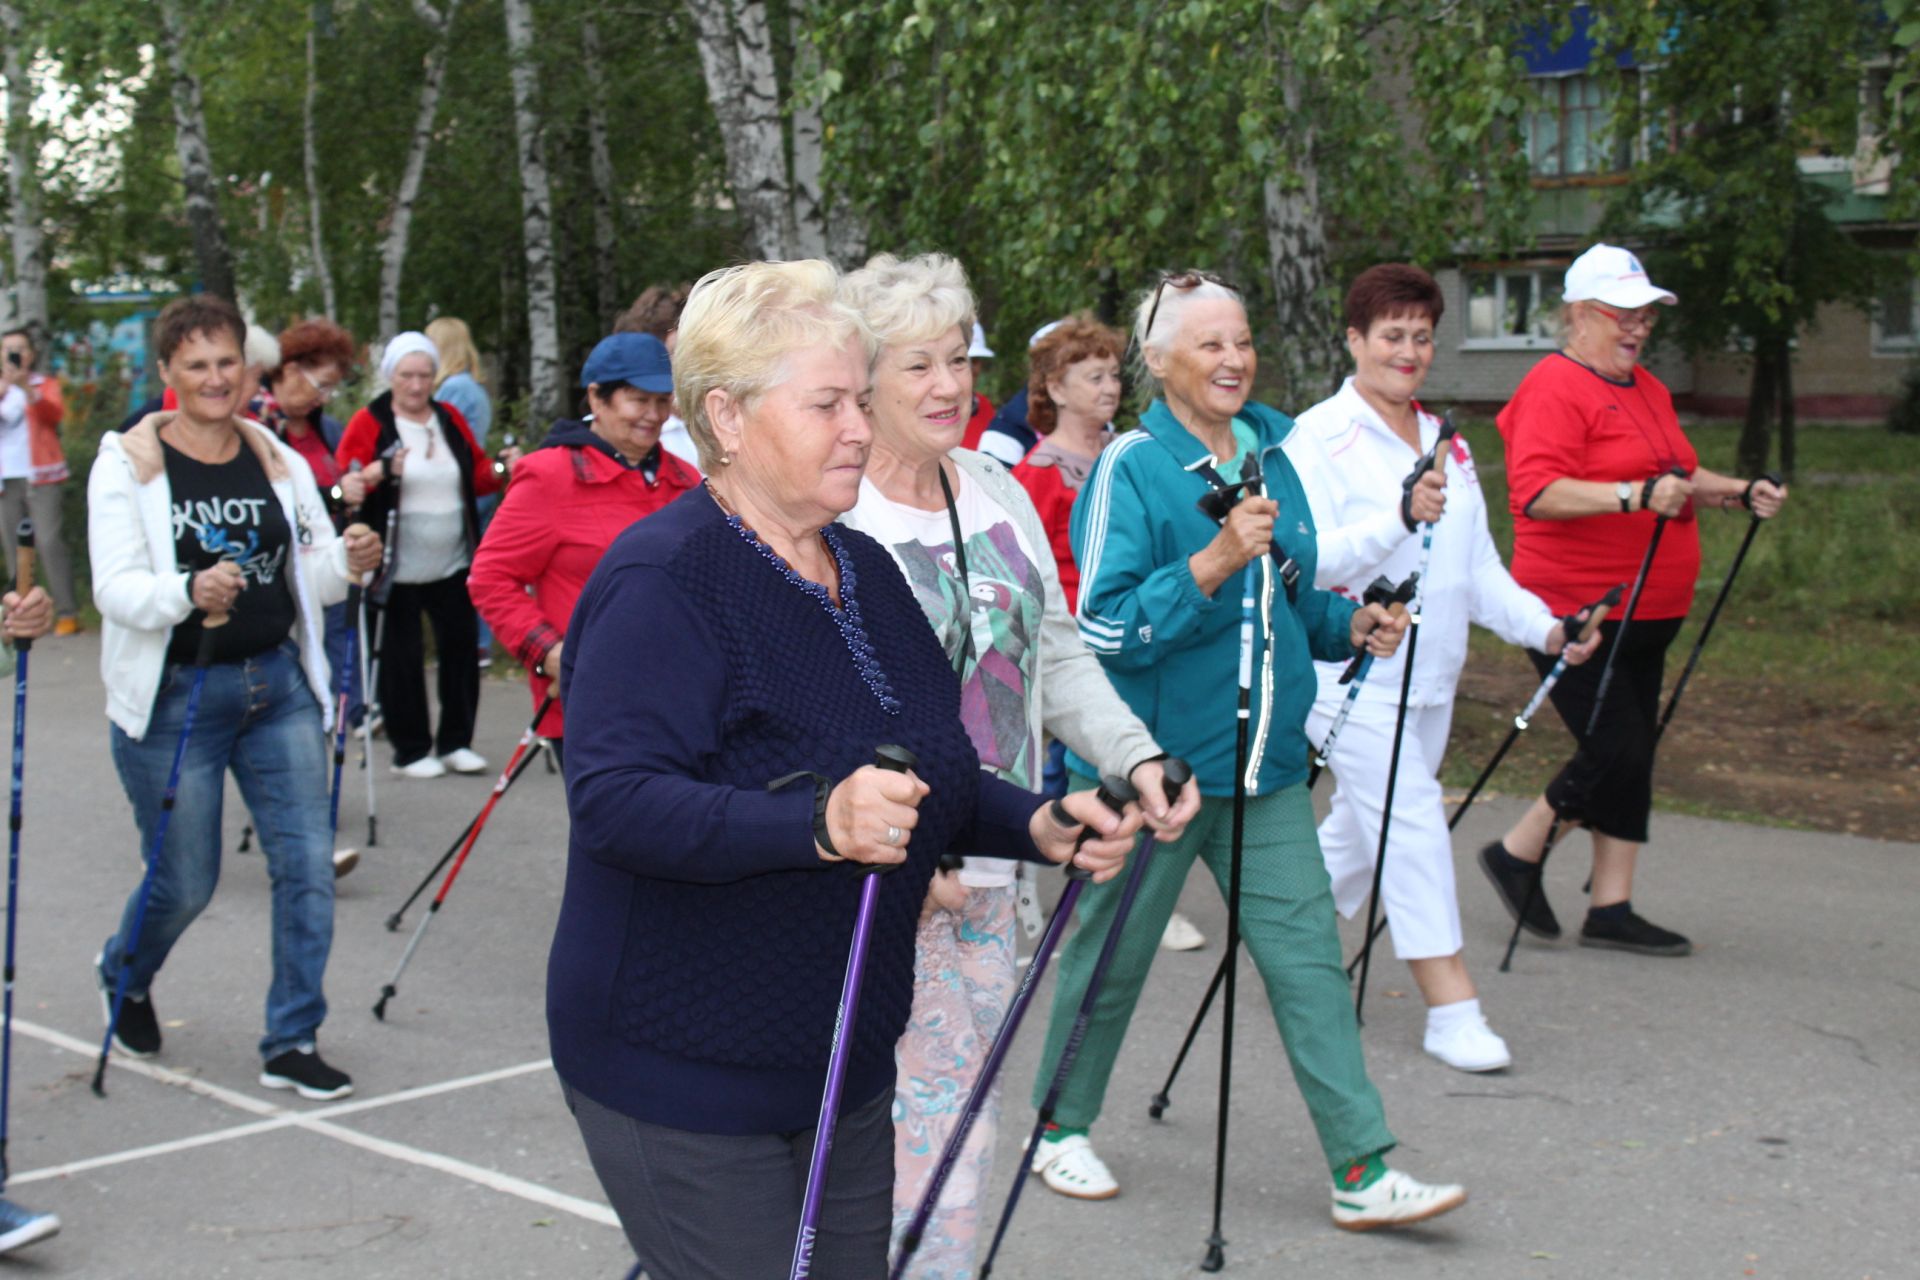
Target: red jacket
{"points": [[1053, 499], [567, 504], [977, 424]]}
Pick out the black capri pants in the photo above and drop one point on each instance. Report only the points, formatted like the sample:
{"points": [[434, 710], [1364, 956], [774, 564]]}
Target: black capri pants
{"points": [[1608, 784]]}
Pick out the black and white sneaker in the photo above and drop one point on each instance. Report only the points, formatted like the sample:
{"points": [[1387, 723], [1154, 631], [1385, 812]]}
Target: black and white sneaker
{"points": [[137, 1034], [303, 1071]]}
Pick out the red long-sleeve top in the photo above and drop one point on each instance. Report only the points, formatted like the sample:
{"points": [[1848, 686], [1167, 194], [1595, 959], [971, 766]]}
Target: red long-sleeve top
{"points": [[564, 509]]}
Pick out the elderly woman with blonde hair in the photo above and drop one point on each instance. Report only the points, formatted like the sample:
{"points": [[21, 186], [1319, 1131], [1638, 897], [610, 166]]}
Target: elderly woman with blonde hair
{"points": [[725, 807], [976, 554]]}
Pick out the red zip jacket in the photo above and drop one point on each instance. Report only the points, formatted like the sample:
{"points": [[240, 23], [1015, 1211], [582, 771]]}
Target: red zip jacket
{"points": [[567, 503]]}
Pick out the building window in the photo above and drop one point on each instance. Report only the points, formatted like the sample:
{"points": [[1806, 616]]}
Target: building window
{"points": [[1567, 133], [1896, 313], [1514, 308]]}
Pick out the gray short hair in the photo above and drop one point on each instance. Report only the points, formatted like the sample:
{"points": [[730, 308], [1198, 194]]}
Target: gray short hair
{"points": [[1166, 323], [910, 299], [740, 325]]}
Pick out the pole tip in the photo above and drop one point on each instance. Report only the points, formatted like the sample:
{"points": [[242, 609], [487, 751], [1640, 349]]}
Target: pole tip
{"points": [[380, 1009], [1216, 1259]]}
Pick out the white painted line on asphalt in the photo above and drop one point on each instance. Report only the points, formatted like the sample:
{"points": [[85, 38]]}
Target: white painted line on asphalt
{"points": [[317, 1121]]}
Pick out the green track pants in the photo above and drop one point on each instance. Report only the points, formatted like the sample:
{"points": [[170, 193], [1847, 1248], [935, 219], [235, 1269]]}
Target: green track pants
{"points": [[1287, 923]]}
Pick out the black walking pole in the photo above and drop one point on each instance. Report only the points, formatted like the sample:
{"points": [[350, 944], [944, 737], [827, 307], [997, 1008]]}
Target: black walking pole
{"points": [[208, 626], [1593, 721], [1116, 794], [1176, 773], [1713, 615], [1596, 613], [1386, 809], [22, 583], [522, 756], [1216, 1242]]}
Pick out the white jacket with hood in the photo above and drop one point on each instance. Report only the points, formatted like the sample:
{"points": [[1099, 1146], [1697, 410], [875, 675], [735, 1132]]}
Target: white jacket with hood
{"points": [[142, 593]]}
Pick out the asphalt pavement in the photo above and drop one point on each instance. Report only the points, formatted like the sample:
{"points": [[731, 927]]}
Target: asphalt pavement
{"points": [[1752, 1110]]}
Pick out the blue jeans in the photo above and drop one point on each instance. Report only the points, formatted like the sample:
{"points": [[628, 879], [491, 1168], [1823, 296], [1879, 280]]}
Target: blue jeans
{"points": [[259, 719]]}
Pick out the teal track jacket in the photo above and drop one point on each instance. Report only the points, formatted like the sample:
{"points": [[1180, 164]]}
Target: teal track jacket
{"points": [[1172, 652]]}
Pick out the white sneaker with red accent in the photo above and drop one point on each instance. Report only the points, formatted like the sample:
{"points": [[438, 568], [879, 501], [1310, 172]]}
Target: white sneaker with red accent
{"points": [[1071, 1168], [1394, 1201]]}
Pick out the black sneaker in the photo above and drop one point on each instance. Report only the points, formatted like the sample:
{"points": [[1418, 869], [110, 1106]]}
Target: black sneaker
{"points": [[1631, 933], [1511, 877], [137, 1034], [303, 1071]]}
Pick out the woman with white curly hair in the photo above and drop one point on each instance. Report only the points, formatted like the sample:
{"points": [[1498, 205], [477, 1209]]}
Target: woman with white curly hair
{"points": [[973, 548]]}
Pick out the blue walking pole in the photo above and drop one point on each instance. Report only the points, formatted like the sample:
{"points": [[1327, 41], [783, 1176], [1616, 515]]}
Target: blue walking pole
{"points": [[22, 583], [213, 622]]}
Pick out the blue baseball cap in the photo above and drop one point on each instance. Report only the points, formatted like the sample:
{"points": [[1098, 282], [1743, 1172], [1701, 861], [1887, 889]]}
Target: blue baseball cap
{"points": [[636, 358]]}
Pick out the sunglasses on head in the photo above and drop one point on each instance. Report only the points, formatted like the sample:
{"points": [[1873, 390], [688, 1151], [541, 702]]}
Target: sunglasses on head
{"points": [[1180, 280]]}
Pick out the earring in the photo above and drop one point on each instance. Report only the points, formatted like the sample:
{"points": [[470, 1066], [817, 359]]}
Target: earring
{"points": [[726, 459]]}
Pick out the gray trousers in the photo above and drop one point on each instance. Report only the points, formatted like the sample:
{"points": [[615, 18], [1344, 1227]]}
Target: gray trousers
{"points": [[21, 499], [710, 1206]]}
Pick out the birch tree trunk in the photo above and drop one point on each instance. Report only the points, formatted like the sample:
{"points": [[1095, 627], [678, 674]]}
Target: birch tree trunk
{"points": [[536, 217], [311, 156], [1310, 353], [393, 251], [736, 56], [600, 161], [210, 249], [29, 289], [809, 203]]}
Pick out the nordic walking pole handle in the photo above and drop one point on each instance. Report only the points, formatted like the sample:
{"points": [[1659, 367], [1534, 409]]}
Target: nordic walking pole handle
{"points": [[23, 572], [894, 759], [1578, 631], [1116, 794], [1175, 774], [1382, 591]]}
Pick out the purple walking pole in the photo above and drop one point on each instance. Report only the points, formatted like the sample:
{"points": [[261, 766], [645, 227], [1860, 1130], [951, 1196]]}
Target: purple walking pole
{"points": [[1116, 794], [900, 760]]}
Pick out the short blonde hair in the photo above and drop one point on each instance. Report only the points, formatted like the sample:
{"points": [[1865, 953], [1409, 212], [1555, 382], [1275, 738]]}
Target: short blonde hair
{"points": [[740, 325], [911, 299], [1166, 322], [457, 353]]}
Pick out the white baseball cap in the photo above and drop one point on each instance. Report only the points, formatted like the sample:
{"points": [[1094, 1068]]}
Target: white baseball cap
{"points": [[979, 350], [1607, 273], [1042, 332]]}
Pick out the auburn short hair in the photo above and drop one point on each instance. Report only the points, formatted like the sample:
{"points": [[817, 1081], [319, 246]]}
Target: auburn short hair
{"points": [[316, 341], [1078, 337], [1393, 289]]}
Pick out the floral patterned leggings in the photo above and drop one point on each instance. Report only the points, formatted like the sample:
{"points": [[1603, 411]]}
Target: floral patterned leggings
{"points": [[963, 977]]}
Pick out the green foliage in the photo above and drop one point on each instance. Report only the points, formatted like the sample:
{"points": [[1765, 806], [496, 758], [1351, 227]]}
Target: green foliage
{"points": [[1067, 151]]}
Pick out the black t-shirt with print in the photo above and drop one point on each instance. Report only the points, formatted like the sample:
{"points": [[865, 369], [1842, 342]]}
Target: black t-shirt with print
{"points": [[228, 511]]}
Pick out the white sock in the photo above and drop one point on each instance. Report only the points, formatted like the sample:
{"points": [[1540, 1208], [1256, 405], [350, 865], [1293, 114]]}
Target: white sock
{"points": [[1442, 1017]]}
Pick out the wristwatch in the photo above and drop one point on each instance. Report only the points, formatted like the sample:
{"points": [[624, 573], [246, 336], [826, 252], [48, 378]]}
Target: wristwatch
{"points": [[1625, 490]]}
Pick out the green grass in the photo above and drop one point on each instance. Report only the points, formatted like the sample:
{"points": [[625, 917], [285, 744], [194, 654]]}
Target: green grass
{"points": [[1828, 601]]}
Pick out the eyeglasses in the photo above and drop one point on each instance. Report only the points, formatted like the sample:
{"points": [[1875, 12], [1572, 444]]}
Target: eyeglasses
{"points": [[324, 390], [1181, 280], [1644, 319]]}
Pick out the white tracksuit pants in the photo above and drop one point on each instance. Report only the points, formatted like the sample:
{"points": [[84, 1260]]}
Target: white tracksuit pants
{"points": [[1417, 892]]}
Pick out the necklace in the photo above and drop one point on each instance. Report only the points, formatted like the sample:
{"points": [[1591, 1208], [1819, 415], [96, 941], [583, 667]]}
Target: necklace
{"points": [[845, 617]]}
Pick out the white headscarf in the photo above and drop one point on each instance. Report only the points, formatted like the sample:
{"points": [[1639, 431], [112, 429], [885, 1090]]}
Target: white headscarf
{"points": [[412, 342]]}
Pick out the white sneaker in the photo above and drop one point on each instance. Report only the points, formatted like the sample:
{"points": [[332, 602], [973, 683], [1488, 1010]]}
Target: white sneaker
{"points": [[344, 860], [1469, 1046], [465, 760], [424, 767], [1181, 935], [1071, 1168], [1394, 1201]]}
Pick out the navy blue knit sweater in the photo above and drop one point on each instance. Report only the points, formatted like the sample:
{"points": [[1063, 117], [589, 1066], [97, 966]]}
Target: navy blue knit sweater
{"points": [[696, 967]]}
